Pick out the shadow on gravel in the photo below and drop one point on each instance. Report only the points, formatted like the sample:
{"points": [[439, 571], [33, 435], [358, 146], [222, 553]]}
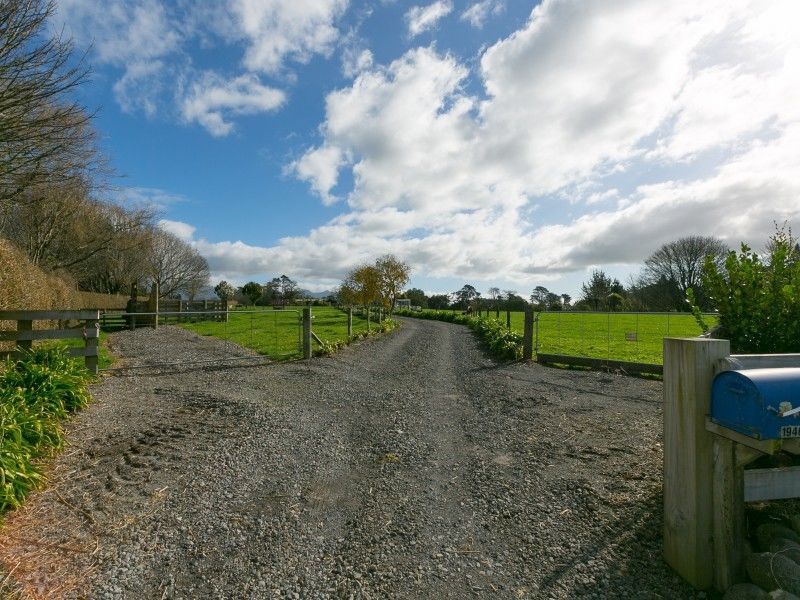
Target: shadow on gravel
{"points": [[624, 560]]}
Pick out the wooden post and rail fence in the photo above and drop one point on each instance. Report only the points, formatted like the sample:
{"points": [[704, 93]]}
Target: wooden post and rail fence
{"points": [[24, 335]]}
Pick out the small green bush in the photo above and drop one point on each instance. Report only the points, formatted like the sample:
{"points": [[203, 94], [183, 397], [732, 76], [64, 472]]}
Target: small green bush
{"points": [[758, 300], [36, 394], [501, 342]]}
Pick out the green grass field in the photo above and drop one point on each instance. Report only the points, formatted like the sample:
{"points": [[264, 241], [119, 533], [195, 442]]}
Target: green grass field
{"points": [[632, 337], [277, 333]]}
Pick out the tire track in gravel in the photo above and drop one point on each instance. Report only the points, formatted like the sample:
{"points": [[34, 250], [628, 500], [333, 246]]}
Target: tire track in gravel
{"points": [[406, 466]]}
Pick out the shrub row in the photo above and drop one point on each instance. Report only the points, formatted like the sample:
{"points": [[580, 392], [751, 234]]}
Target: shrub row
{"points": [[36, 394], [501, 342], [331, 347]]}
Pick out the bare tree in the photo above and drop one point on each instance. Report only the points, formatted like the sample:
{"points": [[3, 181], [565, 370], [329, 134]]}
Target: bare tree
{"points": [[175, 265], [61, 228], [681, 263], [46, 135]]}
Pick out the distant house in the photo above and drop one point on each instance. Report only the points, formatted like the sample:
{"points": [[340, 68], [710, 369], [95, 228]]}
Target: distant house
{"points": [[402, 303]]}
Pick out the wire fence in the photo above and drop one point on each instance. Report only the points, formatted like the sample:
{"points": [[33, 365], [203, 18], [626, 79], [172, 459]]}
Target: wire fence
{"points": [[633, 337]]}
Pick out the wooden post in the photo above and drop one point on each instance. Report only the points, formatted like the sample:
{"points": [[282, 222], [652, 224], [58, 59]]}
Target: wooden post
{"points": [[728, 513], [369, 310], [508, 319], [307, 332], [350, 322], [527, 337], [689, 366], [91, 332], [23, 325]]}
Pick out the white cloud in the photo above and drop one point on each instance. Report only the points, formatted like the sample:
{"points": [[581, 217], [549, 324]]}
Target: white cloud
{"points": [[147, 197], [179, 229], [422, 18], [589, 100], [354, 61], [149, 42], [211, 98], [320, 167], [477, 14], [281, 29]]}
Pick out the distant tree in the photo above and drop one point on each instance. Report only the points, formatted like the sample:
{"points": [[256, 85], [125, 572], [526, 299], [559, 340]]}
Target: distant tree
{"points": [[565, 300], [361, 286], [252, 291], [614, 301], [464, 297], [224, 290], [495, 296], [417, 297], [393, 275], [514, 302], [280, 289], [597, 289], [175, 265], [539, 297], [680, 263], [439, 302], [553, 301]]}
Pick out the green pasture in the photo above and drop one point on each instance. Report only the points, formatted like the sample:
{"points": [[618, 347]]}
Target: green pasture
{"points": [[277, 333], [632, 337]]}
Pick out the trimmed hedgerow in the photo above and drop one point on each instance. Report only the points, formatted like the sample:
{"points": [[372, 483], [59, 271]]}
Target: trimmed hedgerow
{"points": [[36, 394]]}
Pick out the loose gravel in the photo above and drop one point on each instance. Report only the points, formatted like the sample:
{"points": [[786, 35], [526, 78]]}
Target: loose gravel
{"points": [[407, 466]]}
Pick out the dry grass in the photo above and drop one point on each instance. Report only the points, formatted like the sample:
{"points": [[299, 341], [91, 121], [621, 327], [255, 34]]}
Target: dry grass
{"points": [[27, 287], [47, 551]]}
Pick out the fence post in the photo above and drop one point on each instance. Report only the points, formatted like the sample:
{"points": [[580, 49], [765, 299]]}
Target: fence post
{"points": [[508, 319], [25, 345], [527, 337], [349, 322], [307, 332], [91, 334], [689, 365], [369, 311]]}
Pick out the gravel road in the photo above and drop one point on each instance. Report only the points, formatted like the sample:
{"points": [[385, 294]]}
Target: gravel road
{"points": [[408, 466]]}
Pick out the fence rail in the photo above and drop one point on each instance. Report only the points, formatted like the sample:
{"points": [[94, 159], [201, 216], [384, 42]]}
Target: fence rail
{"points": [[25, 334]]}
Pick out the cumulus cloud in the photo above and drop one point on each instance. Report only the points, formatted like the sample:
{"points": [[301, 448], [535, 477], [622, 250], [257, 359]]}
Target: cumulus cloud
{"points": [[354, 61], [595, 104], [148, 41], [477, 14], [422, 18], [179, 229], [211, 98], [281, 29]]}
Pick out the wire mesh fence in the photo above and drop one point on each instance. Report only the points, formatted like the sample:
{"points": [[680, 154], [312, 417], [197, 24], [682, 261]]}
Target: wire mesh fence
{"points": [[623, 336]]}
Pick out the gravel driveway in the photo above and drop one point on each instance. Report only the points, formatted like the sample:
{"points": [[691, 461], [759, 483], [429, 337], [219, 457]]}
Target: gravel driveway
{"points": [[407, 466]]}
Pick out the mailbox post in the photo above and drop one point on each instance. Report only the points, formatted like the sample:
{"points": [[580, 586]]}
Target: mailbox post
{"points": [[688, 456]]}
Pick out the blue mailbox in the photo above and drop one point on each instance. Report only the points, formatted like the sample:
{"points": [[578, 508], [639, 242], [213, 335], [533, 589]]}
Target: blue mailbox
{"points": [[761, 403]]}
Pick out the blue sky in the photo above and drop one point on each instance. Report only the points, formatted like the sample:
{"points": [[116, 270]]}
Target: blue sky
{"points": [[496, 142]]}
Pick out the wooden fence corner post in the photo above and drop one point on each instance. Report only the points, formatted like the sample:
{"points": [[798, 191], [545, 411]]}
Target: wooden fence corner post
{"points": [[689, 368], [527, 337], [307, 332]]}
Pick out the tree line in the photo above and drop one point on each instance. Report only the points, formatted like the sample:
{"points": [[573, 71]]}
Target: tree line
{"points": [[673, 278], [55, 201]]}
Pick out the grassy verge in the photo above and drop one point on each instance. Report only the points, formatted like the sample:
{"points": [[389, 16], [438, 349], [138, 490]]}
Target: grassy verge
{"points": [[36, 394], [277, 333], [616, 336]]}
